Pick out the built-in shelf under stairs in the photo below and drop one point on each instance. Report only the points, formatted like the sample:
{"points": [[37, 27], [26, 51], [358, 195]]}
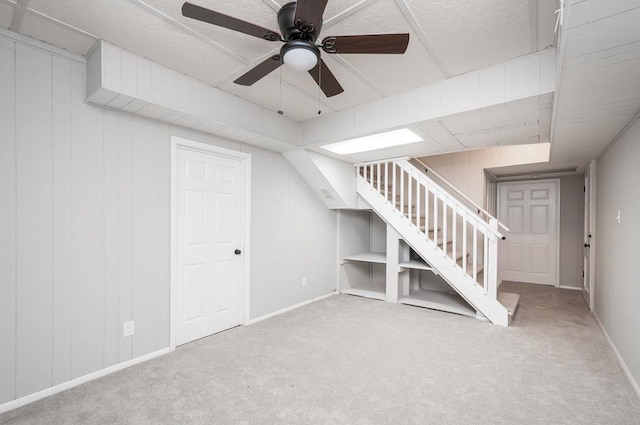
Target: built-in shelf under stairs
{"points": [[440, 234]]}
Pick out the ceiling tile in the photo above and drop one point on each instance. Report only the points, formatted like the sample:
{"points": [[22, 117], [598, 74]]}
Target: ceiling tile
{"points": [[515, 135], [127, 25], [546, 23], [390, 74], [6, 13], [606, 33], [469, 35], [589, 11], [56, 34], [504, 115], [254, 11]]}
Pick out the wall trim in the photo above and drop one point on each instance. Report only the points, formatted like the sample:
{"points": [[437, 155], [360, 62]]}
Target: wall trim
{"points": [[292, 307], [22, 401], [623, 365], [573, 288]]}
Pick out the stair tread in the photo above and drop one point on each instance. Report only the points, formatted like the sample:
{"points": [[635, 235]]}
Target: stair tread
{"points": [[444, 301], [510, 301]]}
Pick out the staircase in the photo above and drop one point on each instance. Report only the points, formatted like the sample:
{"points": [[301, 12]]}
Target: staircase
{"points": [[456, 239]]}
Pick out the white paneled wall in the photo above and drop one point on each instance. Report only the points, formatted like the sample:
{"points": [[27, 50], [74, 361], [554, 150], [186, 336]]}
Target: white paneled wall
{"points": [[617, 288], [85, 222], [8, 218], [293, 235]]}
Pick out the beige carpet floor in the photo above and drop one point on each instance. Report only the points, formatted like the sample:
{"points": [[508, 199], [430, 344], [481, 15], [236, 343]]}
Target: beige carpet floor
{"points": [[350, 360]]}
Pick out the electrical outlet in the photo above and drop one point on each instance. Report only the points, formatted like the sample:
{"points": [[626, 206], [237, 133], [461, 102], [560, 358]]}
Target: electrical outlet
{"points": [[304, 281], [128, 329]]}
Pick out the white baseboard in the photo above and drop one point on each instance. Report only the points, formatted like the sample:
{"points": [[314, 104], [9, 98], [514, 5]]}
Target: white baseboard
{"points": [[81, 380], [573, 288], [626, 370], [293, 307]]}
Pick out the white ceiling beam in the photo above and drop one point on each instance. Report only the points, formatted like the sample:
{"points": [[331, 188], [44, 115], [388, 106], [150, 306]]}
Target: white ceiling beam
{"points": [[167, 94], [525, 77], [422, 36]]}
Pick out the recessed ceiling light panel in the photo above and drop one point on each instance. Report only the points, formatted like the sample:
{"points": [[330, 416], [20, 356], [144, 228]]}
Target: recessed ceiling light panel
{"points": [[403, 136]]}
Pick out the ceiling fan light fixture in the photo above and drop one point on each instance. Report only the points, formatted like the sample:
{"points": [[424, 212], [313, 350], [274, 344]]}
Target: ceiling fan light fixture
{"points": [[300, 55]]}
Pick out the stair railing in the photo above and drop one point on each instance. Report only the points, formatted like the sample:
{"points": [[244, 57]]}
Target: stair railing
{"points": [[440, 217], [481, 211]]}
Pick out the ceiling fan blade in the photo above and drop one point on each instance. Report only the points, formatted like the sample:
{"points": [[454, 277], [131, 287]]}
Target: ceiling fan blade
{"points": [[325, 79], [205, 15], [309, 13], [377, 43], [259, 71]]}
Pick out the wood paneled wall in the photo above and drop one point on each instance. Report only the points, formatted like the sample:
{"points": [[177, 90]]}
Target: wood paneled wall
{"points": [[85, 226]]}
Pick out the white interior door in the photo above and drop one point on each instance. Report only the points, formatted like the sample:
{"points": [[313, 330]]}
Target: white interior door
{"points": [[531, 212], [589, 247], [209, 208]]}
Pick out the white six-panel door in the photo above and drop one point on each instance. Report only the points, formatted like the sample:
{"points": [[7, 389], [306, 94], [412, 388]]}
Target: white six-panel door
{"points": [[208, 267], [531, 212]]}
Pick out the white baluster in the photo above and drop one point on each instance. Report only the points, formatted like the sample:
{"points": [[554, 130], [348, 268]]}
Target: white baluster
{"points": [[454, 228], [410, 195], [435, 217], [464, 241], [401, 189], [379, 175], [444, 227], [418, 190], [485, 252], [393, 188], [426, 209], [386, 180], [474, 257]]}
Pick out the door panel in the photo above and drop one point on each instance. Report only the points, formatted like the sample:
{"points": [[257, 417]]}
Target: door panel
{"points": [[530, 211], [209, 212]]}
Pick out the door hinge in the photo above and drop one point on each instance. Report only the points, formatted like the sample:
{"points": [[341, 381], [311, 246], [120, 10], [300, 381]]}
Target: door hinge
{"points": [[584, 189], [582, 273]]}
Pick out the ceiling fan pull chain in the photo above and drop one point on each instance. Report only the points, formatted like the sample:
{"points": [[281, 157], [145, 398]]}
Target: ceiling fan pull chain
{"points": [[319, 86], [280, 90]]}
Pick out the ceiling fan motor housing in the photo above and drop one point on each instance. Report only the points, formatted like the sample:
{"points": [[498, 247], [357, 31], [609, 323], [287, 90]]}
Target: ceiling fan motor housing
{"points": [[292, 30]]}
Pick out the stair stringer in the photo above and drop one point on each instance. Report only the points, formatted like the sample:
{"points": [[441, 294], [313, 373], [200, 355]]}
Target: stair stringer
{"points": [[453, 274]]}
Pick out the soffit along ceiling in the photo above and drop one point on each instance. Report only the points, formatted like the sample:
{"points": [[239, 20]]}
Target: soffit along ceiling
{"points": [[447, 38], [599, 88]]}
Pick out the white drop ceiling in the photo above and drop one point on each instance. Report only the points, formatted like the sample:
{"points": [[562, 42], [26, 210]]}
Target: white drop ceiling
{"points": [[597, 93]]}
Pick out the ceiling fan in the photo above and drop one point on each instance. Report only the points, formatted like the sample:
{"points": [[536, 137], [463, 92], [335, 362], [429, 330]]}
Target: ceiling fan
{"points": [[300, 24]]}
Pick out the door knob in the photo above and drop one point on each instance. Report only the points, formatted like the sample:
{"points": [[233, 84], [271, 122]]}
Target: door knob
{"points": [[587, 245], [237, 252]]}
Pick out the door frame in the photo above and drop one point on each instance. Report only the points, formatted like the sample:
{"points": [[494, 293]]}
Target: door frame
{"points": [[556, 260], [245, 159], [590, 173]]}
